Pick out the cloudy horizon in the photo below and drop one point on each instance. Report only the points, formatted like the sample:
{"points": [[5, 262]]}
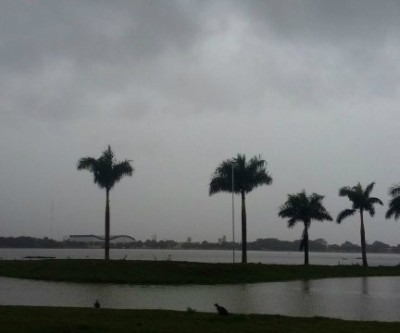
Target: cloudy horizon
{"points": [[179, 86]]}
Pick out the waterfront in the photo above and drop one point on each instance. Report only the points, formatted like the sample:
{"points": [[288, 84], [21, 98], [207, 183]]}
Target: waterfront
{"points": [[217, 256], [371, 298]]}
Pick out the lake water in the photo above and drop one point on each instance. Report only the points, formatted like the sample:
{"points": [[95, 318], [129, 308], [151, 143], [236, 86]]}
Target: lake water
{"points": [[373, 298], [220, 256]]}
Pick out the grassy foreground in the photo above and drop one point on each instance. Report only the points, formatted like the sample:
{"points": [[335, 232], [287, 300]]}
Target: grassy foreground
{"points": [[172, 272], [75, 320]]}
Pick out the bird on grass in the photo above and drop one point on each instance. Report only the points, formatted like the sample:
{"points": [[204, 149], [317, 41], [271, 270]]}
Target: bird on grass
{"points": [[221, 310], [97, 304]]}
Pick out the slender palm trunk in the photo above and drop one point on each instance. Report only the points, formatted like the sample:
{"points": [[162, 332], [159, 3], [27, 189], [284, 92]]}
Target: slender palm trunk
{"points": [[244, 229], [107, 227], [363, 244], [305, 240]]}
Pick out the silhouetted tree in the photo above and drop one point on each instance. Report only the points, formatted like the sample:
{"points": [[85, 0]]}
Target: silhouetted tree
{"points": [[394, 203], [361, 202], [106, 173], [303, 208], [247, 176]]}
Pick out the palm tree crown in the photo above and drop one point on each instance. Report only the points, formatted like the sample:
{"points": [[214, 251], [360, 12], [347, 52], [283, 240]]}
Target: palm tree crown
{"points": [[241, 177], [394, 203], [303, 208], [106, 170], [106, 173], [361, 202], [247, 175]]}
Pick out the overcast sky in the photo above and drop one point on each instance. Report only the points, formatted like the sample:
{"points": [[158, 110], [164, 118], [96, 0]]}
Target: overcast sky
{"points": [[180, 86]]}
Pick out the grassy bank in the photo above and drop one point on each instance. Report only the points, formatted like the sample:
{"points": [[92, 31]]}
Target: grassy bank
{"points": [[170, 272], [76, 320]]}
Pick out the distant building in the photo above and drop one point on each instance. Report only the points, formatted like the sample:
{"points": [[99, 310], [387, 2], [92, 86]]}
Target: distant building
{"points": [[222, 240], [98, 240]]}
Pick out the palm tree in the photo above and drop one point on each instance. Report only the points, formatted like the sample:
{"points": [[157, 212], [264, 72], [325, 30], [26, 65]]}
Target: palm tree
{"points": [[394, 203], [361, 202], [247, 175], [106, 173], [303, 208]]}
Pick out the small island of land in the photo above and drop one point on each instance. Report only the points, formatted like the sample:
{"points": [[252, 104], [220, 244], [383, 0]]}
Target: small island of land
{"points": [[175, 272]]}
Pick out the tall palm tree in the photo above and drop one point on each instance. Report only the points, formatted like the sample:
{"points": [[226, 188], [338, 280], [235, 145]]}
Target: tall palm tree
{"points": [[106, 173], [303, 208], [247, 175], [361, 202], [394, 203]]}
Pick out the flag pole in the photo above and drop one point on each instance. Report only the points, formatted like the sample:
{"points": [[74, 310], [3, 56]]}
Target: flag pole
{"points": [[233, 214]]}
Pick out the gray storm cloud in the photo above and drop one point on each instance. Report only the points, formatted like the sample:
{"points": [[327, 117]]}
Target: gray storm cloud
{"points": [[178, 87]]}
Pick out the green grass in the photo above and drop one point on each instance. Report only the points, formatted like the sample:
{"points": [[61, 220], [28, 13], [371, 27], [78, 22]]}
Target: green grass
{"points": [[75, 320], [171, 272]]}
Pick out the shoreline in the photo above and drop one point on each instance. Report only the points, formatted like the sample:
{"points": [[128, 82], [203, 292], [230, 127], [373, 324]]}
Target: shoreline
{"points": [[59, 319], [177, 272]]}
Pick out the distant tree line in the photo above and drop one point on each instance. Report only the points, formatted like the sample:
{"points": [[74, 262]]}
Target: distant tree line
{"points": [[261, 244], [29, 242]]}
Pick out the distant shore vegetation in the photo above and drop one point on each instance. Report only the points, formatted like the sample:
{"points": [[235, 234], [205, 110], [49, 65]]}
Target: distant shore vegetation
{"points": [[262, 244]]}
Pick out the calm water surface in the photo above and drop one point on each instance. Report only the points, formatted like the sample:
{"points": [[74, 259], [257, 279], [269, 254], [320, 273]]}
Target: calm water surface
{"points": [[373, 298], [316, 258]]}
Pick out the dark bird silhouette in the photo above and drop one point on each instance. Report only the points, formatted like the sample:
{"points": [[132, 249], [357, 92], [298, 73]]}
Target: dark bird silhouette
{"points": [[97, 304], [221, 310]]}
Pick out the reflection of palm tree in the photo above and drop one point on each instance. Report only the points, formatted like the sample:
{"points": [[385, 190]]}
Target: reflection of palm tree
{"points": [[361, 202], [394, 203], [247, 176], [303, 208], [364, 285], [106, 172], [305, 284]]}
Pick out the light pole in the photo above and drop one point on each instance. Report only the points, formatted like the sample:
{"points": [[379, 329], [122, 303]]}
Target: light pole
{"points": [[233, 214]]}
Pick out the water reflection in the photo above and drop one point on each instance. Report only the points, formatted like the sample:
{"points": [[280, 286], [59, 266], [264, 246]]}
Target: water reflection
{"points": [[375, 298], [320, 258], [306, 286], [364, 285]]}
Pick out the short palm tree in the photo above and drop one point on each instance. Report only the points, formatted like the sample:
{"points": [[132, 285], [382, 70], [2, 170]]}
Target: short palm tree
{"points": [[301, 207], [247, 175], [394, 203], [106, 173], [361, 202]]}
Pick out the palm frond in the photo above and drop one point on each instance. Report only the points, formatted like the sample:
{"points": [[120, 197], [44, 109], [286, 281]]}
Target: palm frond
{"points": [[292, 222], [374, 201], [221, 180], [344, 214], [394, 190], [219, 185], [345, 191], [394, 208], [369, 189], [370, 210], [87, 163], [120, 170]]}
